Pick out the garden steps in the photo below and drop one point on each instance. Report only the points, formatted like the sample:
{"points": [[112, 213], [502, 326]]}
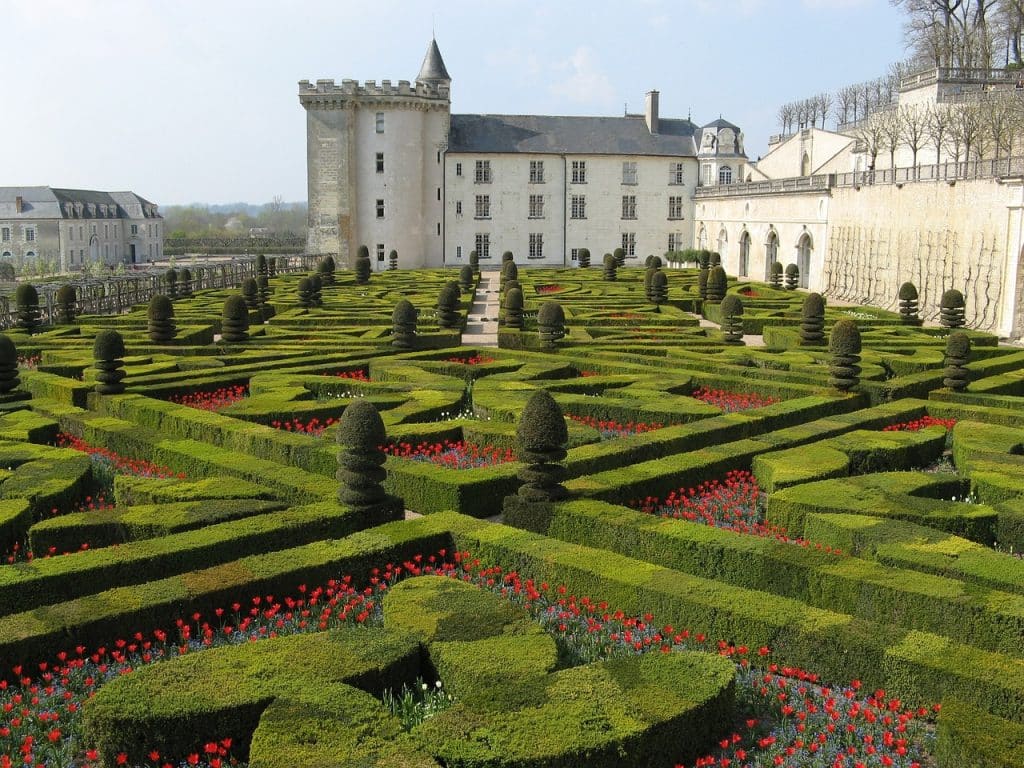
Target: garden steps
{"points": [[482, 319]]}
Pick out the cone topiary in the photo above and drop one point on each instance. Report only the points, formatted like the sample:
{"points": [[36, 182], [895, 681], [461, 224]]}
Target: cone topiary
{"points": [[474, 262], [958, 353], [361, 472], [951, 309], [363, 269], [659, 288], [234, 321], [251, 293], [185, 282], [542, 436], [731, 311], [702, 282], [583, 257], [8, 365], [717, 283], [261, 266], [305, 291], [266, 308], [448, 300], [318, 290], [26, 299], [812, 321], [792, 277], [108, 354], [775, 274], [550, 324], [609, 268], [514, 308], [844, 346], [171, 278], [393, 260], [620, 257], [403, 325], [67, 298], [466, 278], [507, 257], [908, 304], [160, 316]]}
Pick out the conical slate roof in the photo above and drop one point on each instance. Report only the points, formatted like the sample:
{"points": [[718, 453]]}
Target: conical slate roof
{"points": [[433, 68]]}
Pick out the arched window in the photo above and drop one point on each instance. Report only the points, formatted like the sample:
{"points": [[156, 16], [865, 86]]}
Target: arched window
{"points": [[725, 175], [702, 238], [771, 253], [723, 243], [803, 259], [6, 255], [805, 165], [744, 266]]}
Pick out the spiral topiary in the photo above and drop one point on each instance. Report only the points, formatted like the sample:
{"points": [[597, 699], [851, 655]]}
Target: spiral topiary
{"points": [[509, 271], [318, 290], [717, 283], [702, 282], [812, 321], [474, 262], [550, 324], [403, 325], [620, 257], [466, 278], [844, 346], [908, 304], [8, 365], [363, 269], [951, 309], [583, 257], [514, 308], [507, 257], [393, 260], [326, 270], [361, 472], [659, 288], [261, 266], [958, 353], [305, 291], [108, 356], [171, 278], [731, 311], [160, 317], [251, 293], [266, 308], [26, 299], [448, 300], [67, 298], [234, 321], [610, 266], [542, 436], [775, 274], [792, 277], [185, 282]]}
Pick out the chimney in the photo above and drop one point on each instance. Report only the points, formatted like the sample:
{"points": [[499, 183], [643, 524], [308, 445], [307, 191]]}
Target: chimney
{"points": [[18, 204], [651, 112]]}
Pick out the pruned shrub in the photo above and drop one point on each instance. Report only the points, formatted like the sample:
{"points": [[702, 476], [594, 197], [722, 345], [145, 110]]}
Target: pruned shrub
{"points": [[909, 304], [363, 269], [9, 379], [514, 308], [550, 324], [305, 292], [583, 257], [160, 319], [731, 312], [234, 321], [361, 436], [775, 274], [251, 293], [620, 257], [952, 312], [474, 261], [702, 282], [448, 300], [659, 288], [812, 321], [67, 298], [792, 277], [403, 325], [171, 280], [393, 260], [318, 290], [466, 278], [844, 346], [26, 299], [108, 355], [717, 283], [958, 353], [610, 266]]}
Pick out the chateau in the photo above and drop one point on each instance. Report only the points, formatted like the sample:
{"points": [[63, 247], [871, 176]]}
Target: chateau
{"points": [[390, 167]]}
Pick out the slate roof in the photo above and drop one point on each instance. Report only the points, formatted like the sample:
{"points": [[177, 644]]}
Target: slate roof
{"points": [[544, 134], [433, 65], [720, 123], [48, 202]]}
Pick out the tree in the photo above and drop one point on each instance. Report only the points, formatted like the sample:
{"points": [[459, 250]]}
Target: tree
{"points": [[403, 325], [844, 345], [234, 322], [361, 436], [966, 129], [550, 324], [913, 130], [937, 128], [542, 437], [870, 134], [845, 105], [108, 354], [958, 353], [951, 33], [891, 131], [160, 317]]}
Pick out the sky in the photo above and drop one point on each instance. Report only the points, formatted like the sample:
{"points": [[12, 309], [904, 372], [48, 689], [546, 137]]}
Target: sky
{"points": [[197, 101]]}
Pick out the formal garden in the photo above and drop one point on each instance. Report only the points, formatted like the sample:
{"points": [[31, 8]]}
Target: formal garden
{"points": [[668, 520]]}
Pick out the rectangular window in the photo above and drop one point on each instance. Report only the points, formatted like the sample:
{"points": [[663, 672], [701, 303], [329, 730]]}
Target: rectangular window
{"points": [[380, 252], [629, 206], [675, 206], [483, 245], [629, 243], [675, 241], [536, 206], [458, 251], [30, 235], [115, 234], [439, 194], [575, 254], [380, 209], [6, 234], [380, 162], [439, 229], [380, 122], [482, 174], [579, 171], [135, 230], [579, 207], [80, 233], [536, 245], [458, 169], [629, 172], [458, 207], [705, 173], [675, 173], [483, 207], [536, 171], [106, 231]]}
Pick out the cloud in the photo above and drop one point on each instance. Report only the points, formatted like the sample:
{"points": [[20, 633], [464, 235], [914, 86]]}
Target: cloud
{"points": [[583, 81]]}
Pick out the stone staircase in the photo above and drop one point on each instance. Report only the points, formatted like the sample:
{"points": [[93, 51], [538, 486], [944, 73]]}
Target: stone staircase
{"points": [[482, 321]]}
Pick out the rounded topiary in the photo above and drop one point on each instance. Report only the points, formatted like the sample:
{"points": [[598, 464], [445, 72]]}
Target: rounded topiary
{"points": [[844, 346], [362, 252], [7, 272], [715, 259], [659, 288], [509, 285], [648, 262], [234, 321], [261, 266], [403, 325], [448, 300], [717, 283], [171, 278], [952, 309], [731, 311], [648, 274], [514, 308], [704, 258], [509, 271], [610, 266], [542, 436], [812, 321], [160, 317], [361, 436], [656, 262], [958, 353], [251, 293], [318, 290], [792, 277], [108, 354], [583, 257], [466, 278], [507, 257], [908, 297], [702, 282], [550, 324], [185, 282], [8, 365], [67, 298], [305, 291], [775, 274], [326, 270], [363, 269], [474, 261], [263, 285], [393, 260], [620, 257], [26, 299]]}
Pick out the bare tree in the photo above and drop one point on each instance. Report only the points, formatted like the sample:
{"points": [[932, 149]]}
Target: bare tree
{"points": [[824, 103], [998, 122], [890, 126], [846, 100], [964, 130], [937, 121], [913, 130], [1011, 19], [869, 134]]}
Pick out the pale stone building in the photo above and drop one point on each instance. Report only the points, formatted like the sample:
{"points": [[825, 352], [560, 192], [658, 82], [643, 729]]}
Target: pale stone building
{"points": [[72, 228], [390, 167]]}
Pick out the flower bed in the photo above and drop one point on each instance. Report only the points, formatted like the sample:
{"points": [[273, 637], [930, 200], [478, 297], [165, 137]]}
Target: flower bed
{"points": [[313, 427], [29, 362], [453, 455], [215, 400], [918, 424], [544, 290], [731, 402], [609, 428], [474, 360], [358, 375], [107, 463]]}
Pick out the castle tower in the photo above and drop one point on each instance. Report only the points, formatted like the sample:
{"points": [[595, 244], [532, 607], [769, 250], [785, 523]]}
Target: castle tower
{"points": [[374, 165]]}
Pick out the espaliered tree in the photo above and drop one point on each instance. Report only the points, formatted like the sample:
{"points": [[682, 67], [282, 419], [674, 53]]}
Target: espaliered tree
{"points": [[393, 260], [251, 293], [318, 290], [474, 262], [908, 304], [659, 289], [514, 308], [171, 278], [583, 257], [9, 379], [26, 299], [234, 321], [550, 324], [812, 321], [731, 311], [305, 291], [609, 268], [403, 325], [717, 283], [67, 297], [620, 257], [108, 357], [185, 283], [448, 315], [466, 278], [775, 274], [958, 353], [542, 437], [844, 346], [361, 436], [792, 277], [266, 308], [702, 282], [160, 319], [952, 309]]}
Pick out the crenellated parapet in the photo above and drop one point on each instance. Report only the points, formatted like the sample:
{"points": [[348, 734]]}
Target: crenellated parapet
{"points": [[329, 94]]}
